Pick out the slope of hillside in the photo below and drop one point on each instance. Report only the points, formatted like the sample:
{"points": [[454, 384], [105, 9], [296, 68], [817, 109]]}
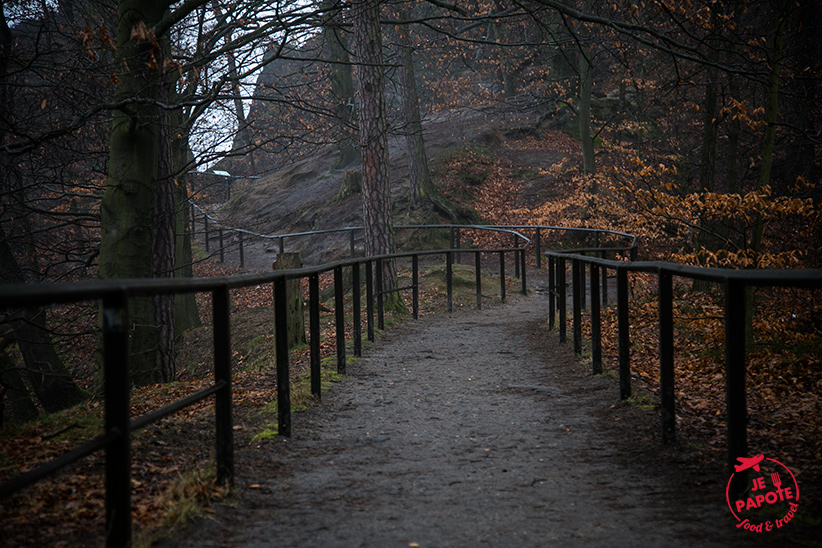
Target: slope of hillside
{"points": [[305, 195]]}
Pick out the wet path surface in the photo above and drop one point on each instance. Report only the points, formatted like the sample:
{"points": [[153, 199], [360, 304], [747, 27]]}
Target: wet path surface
{"points": [[468, 431]]}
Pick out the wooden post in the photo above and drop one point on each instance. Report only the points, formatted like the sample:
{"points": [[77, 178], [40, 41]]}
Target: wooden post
{"points": [[296, 323]]}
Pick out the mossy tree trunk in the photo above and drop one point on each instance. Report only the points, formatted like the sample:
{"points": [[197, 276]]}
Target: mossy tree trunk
{"points": [[127, 211]]}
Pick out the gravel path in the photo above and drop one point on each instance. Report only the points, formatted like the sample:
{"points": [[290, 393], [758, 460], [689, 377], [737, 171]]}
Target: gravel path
{"points": [[470, 430]]}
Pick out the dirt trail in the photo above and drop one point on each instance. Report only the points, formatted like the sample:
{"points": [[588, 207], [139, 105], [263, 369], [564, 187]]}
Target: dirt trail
{"points": [[476, 429]]}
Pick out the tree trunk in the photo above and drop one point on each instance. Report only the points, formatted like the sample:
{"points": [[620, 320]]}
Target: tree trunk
{"points": [[14, 392], [165, 220], [49, 378], [415, 144], [51, 382], [586, 82], [186, 313], [127, 209], [705, 238], [506, 74], [243, 131], [771, 106], [379, 238], [732, 155], [342, 83]]}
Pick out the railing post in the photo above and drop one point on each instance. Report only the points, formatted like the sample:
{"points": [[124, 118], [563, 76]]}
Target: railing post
{"points": [[117, 410], [604, 281], [552, 298], [539, 247], [623, 323], [351, 242], [562, 292], [355, 303], [452, 237], [222, 247], [339, 315], [516, 256], [523, 278], [596, 326], [314, 333], [502, 275], [737, 407], [478, 278], [205, 229], [380, 296], [577, 291], [242, 254], [666, 356], [281, 351], [369, 298], [582, 283], [449, 282], [282, 244], [223, 411], [458, 245], [415, 286]]}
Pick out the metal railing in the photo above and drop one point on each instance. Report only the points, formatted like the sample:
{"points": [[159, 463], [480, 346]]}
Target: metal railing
{"points": [[212, 228], [733, 282], [113, 297]]}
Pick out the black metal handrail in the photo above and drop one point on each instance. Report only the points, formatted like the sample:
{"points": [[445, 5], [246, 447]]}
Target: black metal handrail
{"points": [[734, 283], [113, 296], [244, 235]]}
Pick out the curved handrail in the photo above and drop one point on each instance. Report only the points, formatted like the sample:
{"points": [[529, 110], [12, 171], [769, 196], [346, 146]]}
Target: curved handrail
{"points": [[734, 283]]}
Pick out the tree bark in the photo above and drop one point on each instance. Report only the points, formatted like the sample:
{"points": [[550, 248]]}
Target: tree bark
{"points": [[704, 238], [771, 106], [342, 82], [165, 220], [14, 392], [506, 74], [186, 313], [49, 378], [379, 238], [586, 82], [127, 208], [412, 123]]}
